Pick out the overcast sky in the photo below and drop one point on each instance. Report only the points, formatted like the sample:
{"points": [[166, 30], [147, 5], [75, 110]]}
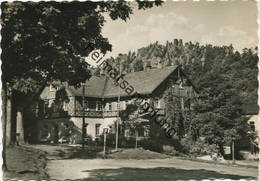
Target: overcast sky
{"points": [[217, 23]]}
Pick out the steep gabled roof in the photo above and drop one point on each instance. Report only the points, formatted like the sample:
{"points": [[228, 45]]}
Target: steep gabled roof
{"points": [[143, 82], [94, 87]]}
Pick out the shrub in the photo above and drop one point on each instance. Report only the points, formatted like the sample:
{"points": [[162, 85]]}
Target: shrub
{"points": [[110, 140], [168, 149], [75, 138], [198, 148], [152, 145], [89, 140], [127, 142], [123, 142]]}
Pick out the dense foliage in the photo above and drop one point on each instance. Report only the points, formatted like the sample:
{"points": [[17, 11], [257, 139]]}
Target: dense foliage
{"points": [[46, 41], [226, 81]]}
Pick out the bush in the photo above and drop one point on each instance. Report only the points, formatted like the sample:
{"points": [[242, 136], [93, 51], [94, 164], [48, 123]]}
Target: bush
{"points": [[152, 145], [127, 142], [110, 140], [75, 138], [198, 148], [89, 140], [123, 142]]}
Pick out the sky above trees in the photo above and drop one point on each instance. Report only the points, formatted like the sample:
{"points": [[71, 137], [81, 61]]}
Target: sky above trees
{"points": [[217, 23]]}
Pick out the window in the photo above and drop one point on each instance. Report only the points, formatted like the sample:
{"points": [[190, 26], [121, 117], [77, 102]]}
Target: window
{"points": [[146, 131], [181, 85], [118, 106], [125, 104], [45, 106], [86, 105], [99, 106], [98, 129], [175, 89], [52, 88], [92, 105], [157, 103], [86, 128], [252, 125], [110, 106]]}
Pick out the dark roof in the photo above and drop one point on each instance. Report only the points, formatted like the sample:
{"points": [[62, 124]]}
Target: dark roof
{"points": [[94, 87], [143, 82]]}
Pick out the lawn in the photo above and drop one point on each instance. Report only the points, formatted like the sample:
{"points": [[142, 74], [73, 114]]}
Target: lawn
{"points": [[91, 152], [136, 154], [25, 163]]}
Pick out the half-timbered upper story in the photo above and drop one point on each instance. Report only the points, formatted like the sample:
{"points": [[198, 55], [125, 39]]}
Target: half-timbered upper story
{"points": [[101, 94]]}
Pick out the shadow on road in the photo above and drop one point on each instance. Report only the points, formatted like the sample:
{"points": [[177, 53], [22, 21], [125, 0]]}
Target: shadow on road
{"points": [[157, 174], [57, 152]]}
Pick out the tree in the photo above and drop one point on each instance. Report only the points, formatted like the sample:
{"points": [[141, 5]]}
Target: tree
{"points": [[226, 80], [44, 42], [138, 66], [174, 112], [130, 119], [219, 112]]}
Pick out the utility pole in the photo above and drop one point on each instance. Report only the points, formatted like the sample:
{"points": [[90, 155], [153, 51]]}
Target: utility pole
{"points": [[118, 111], [105, 129], [105, 139], [136, 131], [83, 116], [233, 151]]}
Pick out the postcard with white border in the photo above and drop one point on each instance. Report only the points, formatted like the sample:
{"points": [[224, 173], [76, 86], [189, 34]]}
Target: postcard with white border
{"points": [[129, 90]]}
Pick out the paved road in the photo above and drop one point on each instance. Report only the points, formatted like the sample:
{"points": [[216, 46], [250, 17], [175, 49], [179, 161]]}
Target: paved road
{"points": [[154, 169]]}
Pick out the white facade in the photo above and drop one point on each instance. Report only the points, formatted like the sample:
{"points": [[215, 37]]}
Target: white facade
{"points": [[92, 124]]}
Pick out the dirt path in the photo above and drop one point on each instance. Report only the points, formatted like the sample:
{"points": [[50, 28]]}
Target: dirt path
{"points": [[62, 166], [55, 152], [154, 169]]}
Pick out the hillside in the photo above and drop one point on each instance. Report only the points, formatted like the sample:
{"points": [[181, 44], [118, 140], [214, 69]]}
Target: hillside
{"points": [[198, 60]]}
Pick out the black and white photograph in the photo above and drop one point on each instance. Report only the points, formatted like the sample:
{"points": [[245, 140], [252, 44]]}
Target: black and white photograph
{"points": [[129, 90]]}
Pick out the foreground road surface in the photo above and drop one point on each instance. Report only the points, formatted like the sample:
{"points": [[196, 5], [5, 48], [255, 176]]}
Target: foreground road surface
{"points": [[153, 169]]}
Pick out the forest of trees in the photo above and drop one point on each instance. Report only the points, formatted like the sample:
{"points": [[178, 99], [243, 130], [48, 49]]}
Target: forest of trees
{"points": [[200, 63], [226, 81]]}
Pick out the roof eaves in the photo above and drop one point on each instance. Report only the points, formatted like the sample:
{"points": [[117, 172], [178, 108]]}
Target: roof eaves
{"points": [[177, 67]]}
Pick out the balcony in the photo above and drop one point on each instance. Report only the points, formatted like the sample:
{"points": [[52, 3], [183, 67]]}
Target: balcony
{"points": [[94, 114], [110, 114], [159, 112], [97, 114], [52, 114]]}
